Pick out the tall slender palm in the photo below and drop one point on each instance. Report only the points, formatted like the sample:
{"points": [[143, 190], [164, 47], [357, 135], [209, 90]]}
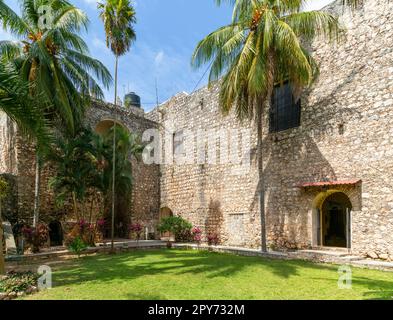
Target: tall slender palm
{"points": [[127, 146], [119, 18], [52, 54], [262, 47]]}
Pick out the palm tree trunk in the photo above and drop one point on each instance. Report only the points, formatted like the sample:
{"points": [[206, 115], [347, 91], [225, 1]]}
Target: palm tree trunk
{"points": [[114, 165], [2, 260], [37, 190], [91, 210], [75, 207], [261, 182], [116, 71]]}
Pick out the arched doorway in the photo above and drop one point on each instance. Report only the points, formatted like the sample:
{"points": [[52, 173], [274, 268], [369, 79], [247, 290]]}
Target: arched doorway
{"points": [[55, 233], [165, 212], [334, 225], [104, 126]]}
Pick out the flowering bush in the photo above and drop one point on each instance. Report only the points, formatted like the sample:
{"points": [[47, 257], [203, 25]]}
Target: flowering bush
{"points": [[213, 240], [137, 229], [36, 237], [101, 224], [197, 235], [88, 232]]}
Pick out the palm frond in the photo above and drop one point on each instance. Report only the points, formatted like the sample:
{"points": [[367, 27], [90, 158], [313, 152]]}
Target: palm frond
{"points": [[12, 22], [310, 24]]}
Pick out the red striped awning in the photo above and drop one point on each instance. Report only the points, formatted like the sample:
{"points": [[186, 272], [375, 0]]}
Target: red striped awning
{"points": [[329, 183]]}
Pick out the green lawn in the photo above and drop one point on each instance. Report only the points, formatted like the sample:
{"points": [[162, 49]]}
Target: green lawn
{"points": [[181, 274]]}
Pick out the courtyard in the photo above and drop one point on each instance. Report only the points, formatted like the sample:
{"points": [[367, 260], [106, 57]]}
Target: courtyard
{"points": [[188, 274]]}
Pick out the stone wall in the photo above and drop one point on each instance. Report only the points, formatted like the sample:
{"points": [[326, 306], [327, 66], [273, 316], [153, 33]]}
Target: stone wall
{"points": [[346, 133], [146, 183], [214, 197], [18, 156]]}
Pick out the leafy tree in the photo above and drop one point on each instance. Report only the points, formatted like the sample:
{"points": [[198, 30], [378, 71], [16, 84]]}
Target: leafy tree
{"points": [[261, 48], [51, 54]]}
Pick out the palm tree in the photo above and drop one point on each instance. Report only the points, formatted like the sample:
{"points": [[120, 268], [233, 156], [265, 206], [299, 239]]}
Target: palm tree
{"points": [[118, 17], [24, 110], [16, 102], [76, 169], [128, 146], [51, 54], [261, 48]]}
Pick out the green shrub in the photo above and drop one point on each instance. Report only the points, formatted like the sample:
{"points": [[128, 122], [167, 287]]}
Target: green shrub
{"points": [[77, 246], [178, 226]]}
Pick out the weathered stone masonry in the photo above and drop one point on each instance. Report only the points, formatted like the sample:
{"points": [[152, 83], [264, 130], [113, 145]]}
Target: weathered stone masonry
{"points": [[18, 162], [346, 136], [346, 133]]}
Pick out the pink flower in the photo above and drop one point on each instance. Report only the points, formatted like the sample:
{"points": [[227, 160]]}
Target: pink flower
{"points": [[101, 222], [135, 227], [82, 223], [196, 230]]}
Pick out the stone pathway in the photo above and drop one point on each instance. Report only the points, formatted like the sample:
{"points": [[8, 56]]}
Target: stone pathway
{"points": [[101, 247], [319, 256]]}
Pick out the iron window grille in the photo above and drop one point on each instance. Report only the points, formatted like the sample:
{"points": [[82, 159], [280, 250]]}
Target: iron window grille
{"points": [[285, 112]]}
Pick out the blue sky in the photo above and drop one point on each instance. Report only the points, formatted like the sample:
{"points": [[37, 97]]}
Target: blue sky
{"points": [[167, 33]]}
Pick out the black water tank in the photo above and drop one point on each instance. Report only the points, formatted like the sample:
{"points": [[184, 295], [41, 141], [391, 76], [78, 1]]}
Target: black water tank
{"points": [[132, 100]]}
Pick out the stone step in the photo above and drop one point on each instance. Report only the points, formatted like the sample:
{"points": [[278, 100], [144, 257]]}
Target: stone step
{"points": [[326, 252], [373, 264], [352, 258]]}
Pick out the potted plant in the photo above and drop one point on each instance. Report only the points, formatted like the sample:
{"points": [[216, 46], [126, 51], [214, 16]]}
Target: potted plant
{"points": [[174, 225]]}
